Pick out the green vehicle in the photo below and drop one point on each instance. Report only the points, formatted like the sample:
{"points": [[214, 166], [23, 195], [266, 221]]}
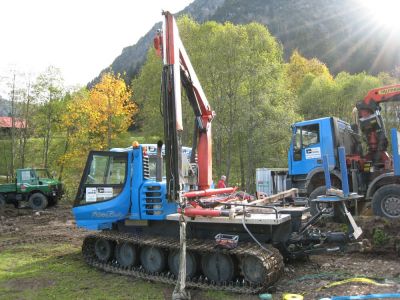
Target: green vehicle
{"points": [[34, 186]]}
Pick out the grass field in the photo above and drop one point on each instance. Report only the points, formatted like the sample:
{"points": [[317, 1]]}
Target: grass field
{"points": [[57, 271]]}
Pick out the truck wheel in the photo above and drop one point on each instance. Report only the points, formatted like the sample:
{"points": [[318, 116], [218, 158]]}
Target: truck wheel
{"points": [[2, 202], [317, 207], [386, 201], [38, 201]]}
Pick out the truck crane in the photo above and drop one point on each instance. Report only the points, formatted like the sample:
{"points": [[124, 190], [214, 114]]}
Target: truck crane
{"points": [[372, 125], [370, 174], [232, 244]]}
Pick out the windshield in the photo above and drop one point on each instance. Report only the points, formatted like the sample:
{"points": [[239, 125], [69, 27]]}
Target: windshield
{"points": [[106, 170], [104, 177], [42, 173]]}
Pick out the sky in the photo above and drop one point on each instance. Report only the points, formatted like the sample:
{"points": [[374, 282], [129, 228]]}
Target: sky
{"points": [[80, 37]]}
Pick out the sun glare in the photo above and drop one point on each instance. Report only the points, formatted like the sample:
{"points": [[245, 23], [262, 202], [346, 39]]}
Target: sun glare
{"points": [[385, 12]]}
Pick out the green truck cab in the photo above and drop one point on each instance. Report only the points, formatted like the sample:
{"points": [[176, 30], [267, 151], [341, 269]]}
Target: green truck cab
{"points": [[34, 186]]}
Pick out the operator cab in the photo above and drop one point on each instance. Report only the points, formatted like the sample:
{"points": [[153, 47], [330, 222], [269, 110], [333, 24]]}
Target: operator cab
{"points": [[119, 185], [103, 178]]}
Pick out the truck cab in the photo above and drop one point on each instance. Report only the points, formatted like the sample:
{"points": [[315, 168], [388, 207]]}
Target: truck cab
{"points": [[34, 185], [311, 141]]}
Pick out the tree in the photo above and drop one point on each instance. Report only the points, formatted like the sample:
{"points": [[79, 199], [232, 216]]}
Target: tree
{"points": [[110, 110], [299, 67], [18, 86], [13, 146], [92, 119], [48, 93], [322, 97], [241, 70], [25, 114]]}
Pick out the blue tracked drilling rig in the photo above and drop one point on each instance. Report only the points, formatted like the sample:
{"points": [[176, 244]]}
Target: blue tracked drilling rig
{"points": [[136, 218]]}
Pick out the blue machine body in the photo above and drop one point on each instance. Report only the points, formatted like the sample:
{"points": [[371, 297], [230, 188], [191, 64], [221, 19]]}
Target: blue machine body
{"points": [[395, 151], [102, 203]]}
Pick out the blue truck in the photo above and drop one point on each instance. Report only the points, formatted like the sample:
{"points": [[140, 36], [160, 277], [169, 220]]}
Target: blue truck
{"points": [[370, 167]]}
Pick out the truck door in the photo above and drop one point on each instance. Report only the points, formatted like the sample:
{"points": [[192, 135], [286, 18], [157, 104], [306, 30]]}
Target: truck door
{"points": [[305, 150]]}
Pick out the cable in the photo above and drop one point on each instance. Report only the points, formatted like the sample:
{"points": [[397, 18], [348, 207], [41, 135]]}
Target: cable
{"points": [[251, 235]]}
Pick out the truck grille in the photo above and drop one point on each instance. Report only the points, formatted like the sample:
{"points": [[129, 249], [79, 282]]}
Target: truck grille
{"points": [[153, 204]]}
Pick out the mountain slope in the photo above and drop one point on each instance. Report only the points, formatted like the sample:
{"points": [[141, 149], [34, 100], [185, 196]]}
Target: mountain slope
{"points": [[340, 33], [133, 57]]}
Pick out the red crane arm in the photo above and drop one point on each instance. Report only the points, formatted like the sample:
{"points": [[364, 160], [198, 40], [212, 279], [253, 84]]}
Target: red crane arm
{"points": [[383, 94], [178, 71], [371, 121]]}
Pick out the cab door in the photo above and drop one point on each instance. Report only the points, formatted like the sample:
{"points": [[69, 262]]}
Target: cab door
{"points": [[305, 149], [27, 179]]}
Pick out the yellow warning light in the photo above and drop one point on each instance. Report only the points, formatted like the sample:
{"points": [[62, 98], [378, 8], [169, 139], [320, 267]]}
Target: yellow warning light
{"points": [[135, 144]]}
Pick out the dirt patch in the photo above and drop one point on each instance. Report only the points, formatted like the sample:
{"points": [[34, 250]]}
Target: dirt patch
{"points": [[29, 284], [310, 277], [55, 224], [383, 234]]}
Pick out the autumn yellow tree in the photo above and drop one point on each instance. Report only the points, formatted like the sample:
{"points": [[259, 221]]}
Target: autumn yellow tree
{"points": [[97, 116], [93, 118], [300, 67], [110, 110]]}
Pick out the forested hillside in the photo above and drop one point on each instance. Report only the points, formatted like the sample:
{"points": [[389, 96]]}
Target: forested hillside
{"points": [[340, 33]]}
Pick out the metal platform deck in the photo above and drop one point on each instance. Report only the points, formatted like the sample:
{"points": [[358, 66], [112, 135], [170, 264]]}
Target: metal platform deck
{"points": [[261, 219]]}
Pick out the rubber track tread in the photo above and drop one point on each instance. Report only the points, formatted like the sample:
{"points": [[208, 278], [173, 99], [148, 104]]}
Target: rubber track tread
{"points": [[271, 260]]}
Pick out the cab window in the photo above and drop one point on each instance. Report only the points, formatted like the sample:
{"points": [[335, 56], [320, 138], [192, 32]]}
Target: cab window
{"points": [[310, 135], [26, 175], [304, 137], [104, 177]]}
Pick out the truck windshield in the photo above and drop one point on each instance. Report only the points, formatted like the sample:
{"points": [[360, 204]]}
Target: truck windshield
{"points": [[103, 178], [106, 170], [42, 173]]}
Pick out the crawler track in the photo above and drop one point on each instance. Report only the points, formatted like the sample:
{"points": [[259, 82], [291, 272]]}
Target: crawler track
{"points": [[271, 260]]}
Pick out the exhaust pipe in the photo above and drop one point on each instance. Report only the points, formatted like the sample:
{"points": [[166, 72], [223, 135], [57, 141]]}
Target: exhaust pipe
{"points": [[159, 162]]}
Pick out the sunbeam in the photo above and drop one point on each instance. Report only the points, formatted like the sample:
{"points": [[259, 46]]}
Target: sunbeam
{"points": [[384, 12]]}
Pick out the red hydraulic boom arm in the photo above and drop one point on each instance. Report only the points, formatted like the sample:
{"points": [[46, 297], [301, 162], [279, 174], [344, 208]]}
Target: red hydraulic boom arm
{"points": [[371, 122], [177, 71], [383, 94]]}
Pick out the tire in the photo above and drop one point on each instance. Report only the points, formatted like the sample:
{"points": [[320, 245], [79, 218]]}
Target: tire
{"points": [[218, 267], [316, 207], [2, 202], [126, 254], [38, 201], [192, 263], [386, 201], [104, 249], [153, 259]]}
